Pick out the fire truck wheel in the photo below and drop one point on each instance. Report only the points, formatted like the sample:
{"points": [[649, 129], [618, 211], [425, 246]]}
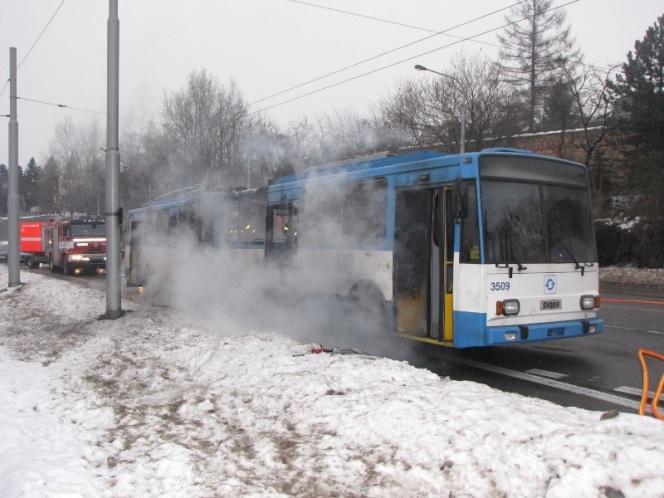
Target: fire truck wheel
{"points": [[32, 263], [51, 266]]}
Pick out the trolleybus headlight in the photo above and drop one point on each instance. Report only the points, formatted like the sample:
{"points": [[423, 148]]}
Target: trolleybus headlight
{"points": [[509, 307], [587, 302]]}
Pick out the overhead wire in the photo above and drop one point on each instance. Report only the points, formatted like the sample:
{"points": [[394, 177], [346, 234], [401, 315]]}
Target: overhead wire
{"points": [[63, 106], [364, 61], [386, 21], [387, 66], [34, 44]]}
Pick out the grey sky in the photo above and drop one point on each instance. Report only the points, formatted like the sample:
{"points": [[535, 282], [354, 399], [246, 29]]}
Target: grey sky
{"points": [[264, 45]]}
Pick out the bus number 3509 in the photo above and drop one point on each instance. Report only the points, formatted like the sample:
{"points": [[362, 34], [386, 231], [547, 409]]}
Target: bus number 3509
{"points": [[500, 286]]}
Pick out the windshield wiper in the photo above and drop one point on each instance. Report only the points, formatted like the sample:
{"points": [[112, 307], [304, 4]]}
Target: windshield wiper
{"points": [[577, 265], [519, 267]]}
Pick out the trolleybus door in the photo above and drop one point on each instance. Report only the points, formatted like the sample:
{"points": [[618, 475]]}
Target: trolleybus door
{"points": [[424, 235], [441, 265]]}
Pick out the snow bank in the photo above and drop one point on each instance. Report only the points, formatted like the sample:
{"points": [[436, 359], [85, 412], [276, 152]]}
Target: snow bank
{"points": [[152, 405], [637, 277]]}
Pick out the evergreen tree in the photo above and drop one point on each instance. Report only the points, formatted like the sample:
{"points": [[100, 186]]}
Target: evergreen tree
{"points": [[559, 108], [4, 189], [21, 190], [31, 184], [639, 94], [535, 49]]}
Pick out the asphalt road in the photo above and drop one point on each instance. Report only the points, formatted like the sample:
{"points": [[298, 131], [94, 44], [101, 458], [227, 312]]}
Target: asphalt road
{"points": [[599, 372]]}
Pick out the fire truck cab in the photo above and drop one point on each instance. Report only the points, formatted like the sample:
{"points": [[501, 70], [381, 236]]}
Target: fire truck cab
{"points": [[76, 244]]}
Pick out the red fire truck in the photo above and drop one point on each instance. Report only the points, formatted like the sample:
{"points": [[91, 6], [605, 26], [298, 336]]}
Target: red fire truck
{"points": [[76, 244], [33, 240], [67, 244]]}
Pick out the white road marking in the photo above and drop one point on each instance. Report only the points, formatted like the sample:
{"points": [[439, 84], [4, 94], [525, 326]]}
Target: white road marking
{"points": [[556, 384], [632, 329], [547, 373], [632, 390]]}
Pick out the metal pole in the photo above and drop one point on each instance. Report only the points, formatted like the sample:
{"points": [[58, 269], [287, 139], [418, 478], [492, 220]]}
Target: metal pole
{"points": [[13, 255], [113, 211], [462, 149]]}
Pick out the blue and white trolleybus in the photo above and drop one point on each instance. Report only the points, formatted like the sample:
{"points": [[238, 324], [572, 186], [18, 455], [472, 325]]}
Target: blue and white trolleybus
{"points": [[476, 249]]}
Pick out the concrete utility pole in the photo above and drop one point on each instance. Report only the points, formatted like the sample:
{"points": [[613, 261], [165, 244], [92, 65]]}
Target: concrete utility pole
{"points": [[113, 211], [13, 255]]}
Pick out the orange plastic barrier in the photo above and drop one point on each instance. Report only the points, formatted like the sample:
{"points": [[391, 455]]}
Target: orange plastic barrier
{"points": [[646, 380]]}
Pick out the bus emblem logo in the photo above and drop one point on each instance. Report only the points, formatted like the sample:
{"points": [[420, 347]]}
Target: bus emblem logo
{"points": [[550, 284]]}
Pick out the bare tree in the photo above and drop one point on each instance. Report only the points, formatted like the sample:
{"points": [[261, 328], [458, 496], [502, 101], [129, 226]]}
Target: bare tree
{"points": [[590, 89], [77, 148], [593, 106], [429, 111], [49, 183], [535, 45], [205, 120]]}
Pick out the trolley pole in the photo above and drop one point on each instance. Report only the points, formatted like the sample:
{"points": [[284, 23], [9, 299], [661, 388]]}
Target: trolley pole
{"points": [[13, 255], [113, 212]]}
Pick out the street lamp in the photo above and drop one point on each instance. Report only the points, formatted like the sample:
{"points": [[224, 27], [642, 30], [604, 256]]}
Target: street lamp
{"points": [[462, 146]]}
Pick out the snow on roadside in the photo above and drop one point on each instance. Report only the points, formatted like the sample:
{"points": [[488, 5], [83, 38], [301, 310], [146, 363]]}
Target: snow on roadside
{"points": [[153, 405], [625, 276]]}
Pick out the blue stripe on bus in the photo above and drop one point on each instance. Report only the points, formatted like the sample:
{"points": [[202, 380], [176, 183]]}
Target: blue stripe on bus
{"points": [[470, 330]]}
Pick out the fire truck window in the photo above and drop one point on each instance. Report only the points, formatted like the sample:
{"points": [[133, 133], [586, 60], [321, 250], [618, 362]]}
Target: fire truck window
{"points": [[86, 229]]}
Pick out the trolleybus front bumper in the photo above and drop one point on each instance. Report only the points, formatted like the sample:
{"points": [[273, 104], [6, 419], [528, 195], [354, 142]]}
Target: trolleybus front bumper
{"points": [[542, 331]]}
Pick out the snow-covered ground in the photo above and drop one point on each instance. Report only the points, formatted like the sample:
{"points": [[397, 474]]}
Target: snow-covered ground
{"points": [[637, 277], [153, 404]]}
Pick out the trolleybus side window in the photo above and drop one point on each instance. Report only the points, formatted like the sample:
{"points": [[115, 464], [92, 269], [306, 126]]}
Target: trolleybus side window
{"points": [[321, 216], [364, 213], [251, 222], [411, 239], [470, 241]]}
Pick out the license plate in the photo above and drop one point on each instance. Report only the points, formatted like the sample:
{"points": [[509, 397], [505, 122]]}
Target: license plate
{"points": [[550, 304]]}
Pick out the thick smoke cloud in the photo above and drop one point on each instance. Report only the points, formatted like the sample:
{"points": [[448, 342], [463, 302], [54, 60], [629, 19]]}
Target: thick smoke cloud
{"points": [[191, 263]]}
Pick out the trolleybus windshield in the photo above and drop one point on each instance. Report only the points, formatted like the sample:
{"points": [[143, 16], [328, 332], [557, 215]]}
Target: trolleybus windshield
{"points": [[535, 211]]}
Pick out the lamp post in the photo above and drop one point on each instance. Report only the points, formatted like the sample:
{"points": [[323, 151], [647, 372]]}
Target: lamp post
{"points": [[462, 141]]}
